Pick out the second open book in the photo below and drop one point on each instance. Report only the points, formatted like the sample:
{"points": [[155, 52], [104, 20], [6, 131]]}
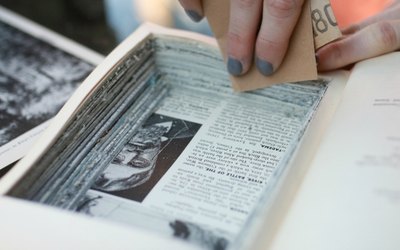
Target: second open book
{"points": [[156, 138]]}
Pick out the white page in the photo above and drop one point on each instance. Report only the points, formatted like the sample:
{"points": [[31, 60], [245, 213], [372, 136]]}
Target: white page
{"points": [[26, 225], [350, 198]]}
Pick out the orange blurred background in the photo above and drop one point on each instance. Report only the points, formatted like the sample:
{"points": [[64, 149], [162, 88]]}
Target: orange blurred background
{"points": [[348, 12]]}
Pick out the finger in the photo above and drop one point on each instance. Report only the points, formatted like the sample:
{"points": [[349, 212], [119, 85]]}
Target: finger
{"points": [[243, 26], [392, 13], [193, 9], [393, 3], [279, 19], [374, 40]]}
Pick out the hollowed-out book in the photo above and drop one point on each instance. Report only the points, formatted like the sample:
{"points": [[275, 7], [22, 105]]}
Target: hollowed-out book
{"points": [[154, 150]]}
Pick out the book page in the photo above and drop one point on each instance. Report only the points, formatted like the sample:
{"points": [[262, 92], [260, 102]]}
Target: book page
{"points": [[46, 228], [350, 196], [268, 215], [39, 71]]}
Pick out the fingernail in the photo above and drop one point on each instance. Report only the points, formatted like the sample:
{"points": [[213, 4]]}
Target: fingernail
{"points": [[264, 67], [196, 17], [234, 67]]}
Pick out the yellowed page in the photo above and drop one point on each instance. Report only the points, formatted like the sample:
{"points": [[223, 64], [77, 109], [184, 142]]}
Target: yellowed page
{"points": [[350, 198]]}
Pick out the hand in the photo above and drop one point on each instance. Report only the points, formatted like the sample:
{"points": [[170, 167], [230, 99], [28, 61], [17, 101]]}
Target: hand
{"points": [[375, 36], [259, 30]]}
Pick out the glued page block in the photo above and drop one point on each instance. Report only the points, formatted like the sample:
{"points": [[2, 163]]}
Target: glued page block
{"points": [[299, 63]]}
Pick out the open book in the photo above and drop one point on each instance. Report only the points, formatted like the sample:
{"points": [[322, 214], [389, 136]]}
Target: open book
{"points": [[162, 153]]}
